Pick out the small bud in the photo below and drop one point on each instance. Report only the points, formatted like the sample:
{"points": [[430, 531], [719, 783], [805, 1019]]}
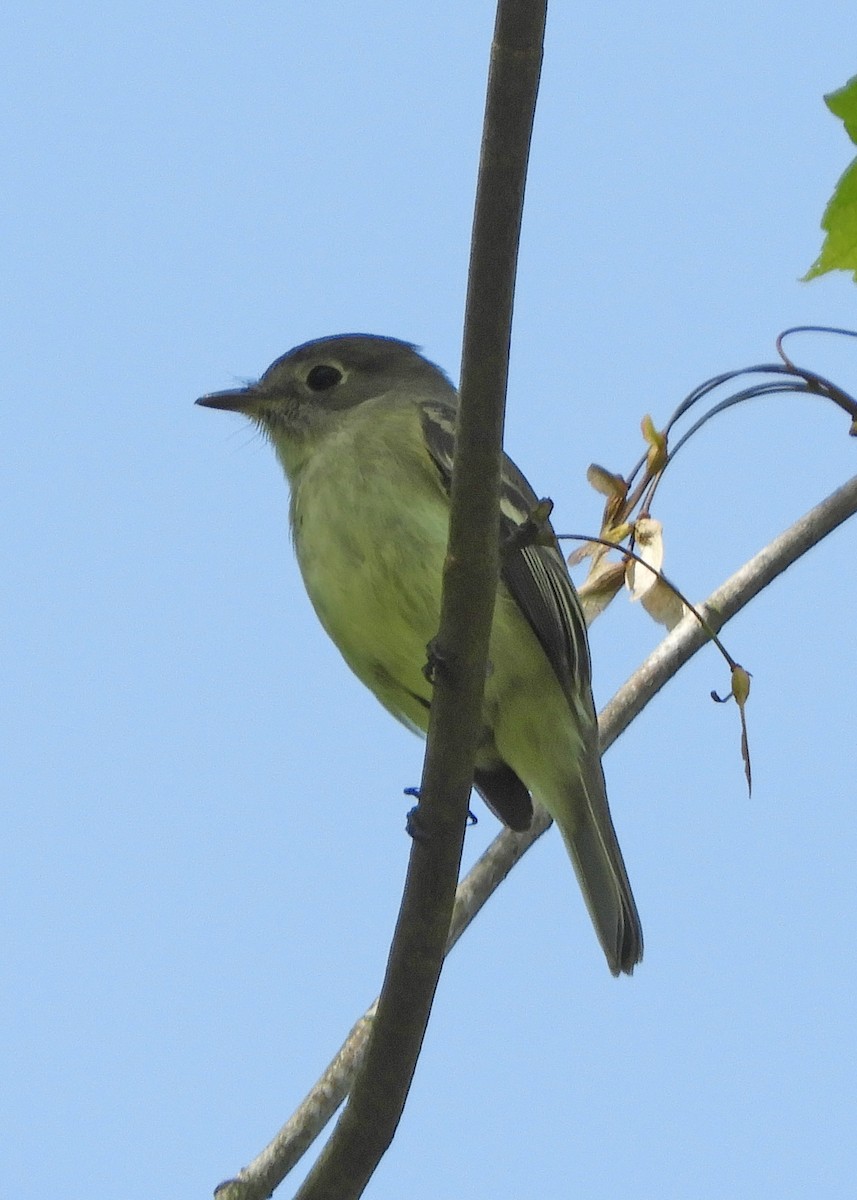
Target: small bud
{"points": [[656, 458], [740, 684], [740, 693]]}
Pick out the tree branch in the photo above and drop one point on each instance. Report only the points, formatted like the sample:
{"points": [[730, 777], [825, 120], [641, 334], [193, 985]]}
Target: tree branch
{"points": [[459, 655], [310, 1118]]}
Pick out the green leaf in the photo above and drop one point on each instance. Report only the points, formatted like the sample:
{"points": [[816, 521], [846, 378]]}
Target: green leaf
{"points": [[839, 250], [843, 104]]}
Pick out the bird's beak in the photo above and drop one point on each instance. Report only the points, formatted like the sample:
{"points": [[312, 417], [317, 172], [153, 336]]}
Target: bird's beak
{"points": [[236, 400]]}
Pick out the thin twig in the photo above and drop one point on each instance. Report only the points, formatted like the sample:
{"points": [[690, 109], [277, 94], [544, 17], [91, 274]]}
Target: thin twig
{"points": [[310, 1118]]}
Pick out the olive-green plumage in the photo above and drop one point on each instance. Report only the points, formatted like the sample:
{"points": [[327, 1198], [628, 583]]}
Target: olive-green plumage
{"points": [[363, 427]]}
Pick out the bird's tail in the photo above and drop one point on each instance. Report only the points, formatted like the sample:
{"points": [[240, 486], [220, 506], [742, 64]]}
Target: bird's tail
{"points": [[587, 830]]}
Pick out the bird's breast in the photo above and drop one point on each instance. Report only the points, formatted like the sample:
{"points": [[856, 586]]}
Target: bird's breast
{"points": [[370, 534]]}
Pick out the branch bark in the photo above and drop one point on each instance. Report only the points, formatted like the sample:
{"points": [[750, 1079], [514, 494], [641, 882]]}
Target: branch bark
{"points": [[677, 648]]}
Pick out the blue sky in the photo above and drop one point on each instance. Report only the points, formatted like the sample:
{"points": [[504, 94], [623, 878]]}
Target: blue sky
{"points": [[204, 843]]}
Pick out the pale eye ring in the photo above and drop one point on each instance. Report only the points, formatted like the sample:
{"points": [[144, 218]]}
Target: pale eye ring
{"points": [[322, 377]]}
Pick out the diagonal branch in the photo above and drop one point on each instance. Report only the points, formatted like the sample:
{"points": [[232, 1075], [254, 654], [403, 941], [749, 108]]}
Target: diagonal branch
{"points": [[310, 1118]]}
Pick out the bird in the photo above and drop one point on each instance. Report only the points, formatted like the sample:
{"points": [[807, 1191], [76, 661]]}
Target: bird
{"points": [[363, 427]]}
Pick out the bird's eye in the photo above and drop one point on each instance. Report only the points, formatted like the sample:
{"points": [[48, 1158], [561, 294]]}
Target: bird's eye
{"points": [[323, 377]]}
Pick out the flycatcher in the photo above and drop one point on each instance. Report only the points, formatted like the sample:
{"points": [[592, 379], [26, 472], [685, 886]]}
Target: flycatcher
{"points": [[364, 429]]}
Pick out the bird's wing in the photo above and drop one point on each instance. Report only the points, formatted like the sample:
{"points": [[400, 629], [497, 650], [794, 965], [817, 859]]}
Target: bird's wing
{"points": [[536, 575]]}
